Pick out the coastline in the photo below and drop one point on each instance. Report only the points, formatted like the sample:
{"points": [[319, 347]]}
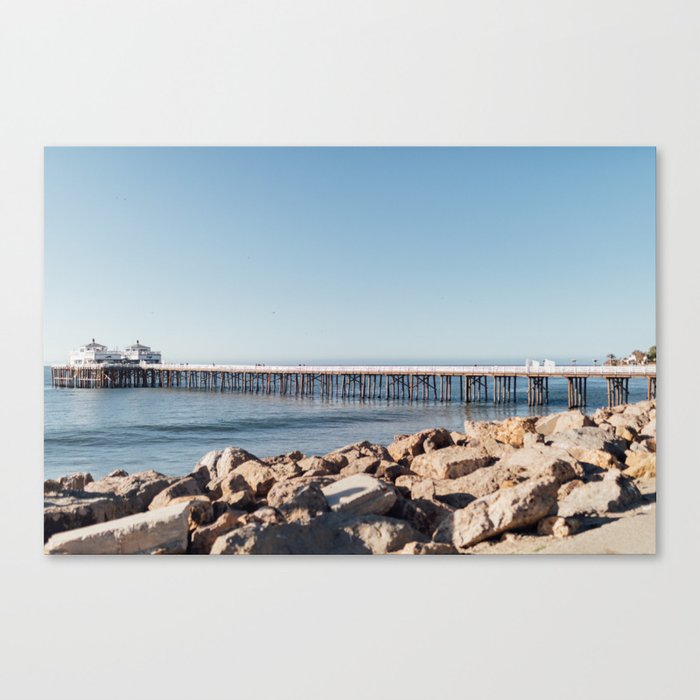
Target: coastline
{"points": [[561, 483]]}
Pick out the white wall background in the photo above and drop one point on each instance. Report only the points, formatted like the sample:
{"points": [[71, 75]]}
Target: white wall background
{"points": [[394, 72]]}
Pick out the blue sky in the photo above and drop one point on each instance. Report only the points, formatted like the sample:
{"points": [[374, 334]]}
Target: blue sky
{"points": [[351, 254]]}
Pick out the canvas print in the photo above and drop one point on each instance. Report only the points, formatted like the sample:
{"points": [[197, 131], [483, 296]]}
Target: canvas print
{"points": [[350, 351]]}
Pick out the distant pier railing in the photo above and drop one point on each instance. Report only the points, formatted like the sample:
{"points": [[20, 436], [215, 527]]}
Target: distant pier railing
{"points": [[468, 383]]}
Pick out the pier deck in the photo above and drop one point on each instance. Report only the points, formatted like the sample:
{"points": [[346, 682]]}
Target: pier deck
{"points": [[467, 383]]}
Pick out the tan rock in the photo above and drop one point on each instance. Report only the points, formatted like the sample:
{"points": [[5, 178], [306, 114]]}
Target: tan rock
{"points": [[362, 465], [561, 422], [559, 527], [512, 431], [317, 465], [542, 461], [183, 487], [517, 507], [165, 529], [360, 494], [204, 537], [231, 458], [297, 502], [613, 493], [258, 476], [450, 462], [76, 482], [406, 447], [135, 492], [597, 458], [641, 465]]}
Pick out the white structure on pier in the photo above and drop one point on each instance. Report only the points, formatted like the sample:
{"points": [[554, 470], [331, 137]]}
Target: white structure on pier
{"points": [[141, 353], [94, 353]]}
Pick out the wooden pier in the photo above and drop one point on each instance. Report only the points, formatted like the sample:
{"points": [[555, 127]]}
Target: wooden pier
{"points": [[419, 383]]}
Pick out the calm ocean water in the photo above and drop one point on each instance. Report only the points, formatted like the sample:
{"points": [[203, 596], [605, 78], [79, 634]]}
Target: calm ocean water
{"points": [[99, 430]]}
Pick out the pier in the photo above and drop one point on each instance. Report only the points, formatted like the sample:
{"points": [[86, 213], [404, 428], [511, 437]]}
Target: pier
{"points": [[468, 383]]}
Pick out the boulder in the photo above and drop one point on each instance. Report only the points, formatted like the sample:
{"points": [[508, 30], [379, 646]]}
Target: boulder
{"points": [[437, 439], [390, 471], [561, 422], [75, 510], [204, 537], [205, 468], [382, 535], [357, 450], [641, 465], [201, 509], [649, 428], [556, 526], [76, 482], [512, 431], [317, 466], [237, 500], [363, 465], [591, 438], [184, 487], [297, 502], [508, 509], [231, 458], [595, 458], [540, 461], [327, 534], [613, 493], [118, 472], [360, 494], [162, 530], [258, 476], [135, 492], [450, 462]]}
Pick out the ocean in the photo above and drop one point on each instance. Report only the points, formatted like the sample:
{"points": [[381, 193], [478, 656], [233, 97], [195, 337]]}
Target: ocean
{"points": [[99, 430]]}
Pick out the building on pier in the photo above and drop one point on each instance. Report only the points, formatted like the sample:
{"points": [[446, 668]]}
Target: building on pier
{"points": [[97, 354]]}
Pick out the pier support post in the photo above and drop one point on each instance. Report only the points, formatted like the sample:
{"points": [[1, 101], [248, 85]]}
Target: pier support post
{"points": [[577, 392]]}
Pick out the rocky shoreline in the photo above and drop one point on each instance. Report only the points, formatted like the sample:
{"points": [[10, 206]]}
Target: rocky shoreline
{"points": [[433, 492]]}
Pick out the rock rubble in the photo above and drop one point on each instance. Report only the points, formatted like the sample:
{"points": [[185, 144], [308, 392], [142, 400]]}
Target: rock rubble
{"points": [[434, 492]]}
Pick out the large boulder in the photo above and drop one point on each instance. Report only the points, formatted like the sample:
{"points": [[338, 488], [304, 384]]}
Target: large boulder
{"points": [[297, 501], [231, 458], [450, 462], [360, 494], [512, 430], [76, 482], [541, 461], [355, 451], [68, 511], [258, 476], [589, 438], [327, 534], [406, 447], [561, 422], [641, 465], [613, 493], [188, 486], [160, 531], [508, 509], [135, 491], [362, 465]]}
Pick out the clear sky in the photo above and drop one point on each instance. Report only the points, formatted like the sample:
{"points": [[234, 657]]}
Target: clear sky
{"points": [[351, 254]]}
